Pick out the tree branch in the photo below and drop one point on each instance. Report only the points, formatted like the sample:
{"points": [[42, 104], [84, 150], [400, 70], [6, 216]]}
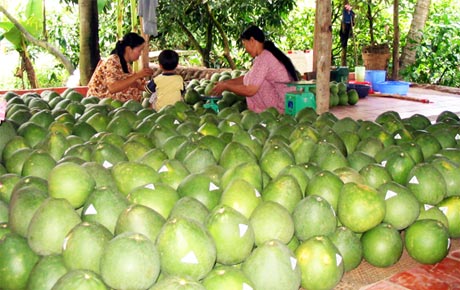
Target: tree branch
{"points": [[43, 44]]}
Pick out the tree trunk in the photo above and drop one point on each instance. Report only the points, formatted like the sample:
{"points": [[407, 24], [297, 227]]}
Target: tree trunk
{"points": [[396, 37], [323, 48], [89, 40], [27, 65], [415, 33]]}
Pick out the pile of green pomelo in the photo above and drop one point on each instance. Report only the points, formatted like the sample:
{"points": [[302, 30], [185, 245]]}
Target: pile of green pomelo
{"points": [[98, 194]]}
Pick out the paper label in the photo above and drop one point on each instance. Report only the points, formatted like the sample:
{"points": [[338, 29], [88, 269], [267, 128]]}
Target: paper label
{"points": [[444, 210], [414, 180], [91, 210], [397, 137], [163, 168], [243, 228], [247, 287], [190, 258], [213, 187], [338, 259], [293, 262], [457, 136], [384, 162], [176, 122], [427, 206], [106, 164], [389, 194], [150, 186], [257, 193]]}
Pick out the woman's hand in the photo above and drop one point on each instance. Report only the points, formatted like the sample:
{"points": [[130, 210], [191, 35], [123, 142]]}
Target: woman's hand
{"points": [[145, 72], [219, 87]]}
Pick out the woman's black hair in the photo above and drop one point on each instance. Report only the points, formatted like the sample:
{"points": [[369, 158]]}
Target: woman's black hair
{"points": [[132, 40], [258, 34]]}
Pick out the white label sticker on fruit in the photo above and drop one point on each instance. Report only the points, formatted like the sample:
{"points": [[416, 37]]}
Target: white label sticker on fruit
{"points": [[252, 137], [64, 244], [390, 194], [150, 186], [257, 193], [213, 187], [231, 123], [176, 122], [397, 137], [457, 137], [293, 262], [77, 115], [414, 180], [163, 168], [427, 206], [443, 209], [91, 210], [263, 124], [107, 164], [338, 259], [243, 229], [448, 243], [190, 258], [384, 162], [247, 287]]}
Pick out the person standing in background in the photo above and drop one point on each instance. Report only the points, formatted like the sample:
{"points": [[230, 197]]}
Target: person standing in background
{"points": [[346, 30]]}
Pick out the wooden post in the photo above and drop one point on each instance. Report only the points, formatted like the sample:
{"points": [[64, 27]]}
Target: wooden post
{"points": [[322, 53], [144, 59], [396, 37]]}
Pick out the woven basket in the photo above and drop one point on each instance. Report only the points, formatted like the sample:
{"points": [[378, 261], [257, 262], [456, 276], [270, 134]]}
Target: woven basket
{"points": [[376, 61]]}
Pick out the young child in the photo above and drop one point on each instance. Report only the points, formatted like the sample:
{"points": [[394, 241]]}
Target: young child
{"points": [[168, 87]]}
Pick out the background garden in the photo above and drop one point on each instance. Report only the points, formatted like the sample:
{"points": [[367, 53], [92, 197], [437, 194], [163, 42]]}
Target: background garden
{"points": [[187, 25]]}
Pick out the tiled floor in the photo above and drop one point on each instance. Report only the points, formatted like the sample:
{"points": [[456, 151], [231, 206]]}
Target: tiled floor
{"points": [[411, 275], [370, 107]]}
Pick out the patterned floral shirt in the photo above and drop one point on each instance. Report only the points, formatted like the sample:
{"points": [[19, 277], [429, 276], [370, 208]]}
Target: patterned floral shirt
{"points": [[271, 76], [110, 71]]}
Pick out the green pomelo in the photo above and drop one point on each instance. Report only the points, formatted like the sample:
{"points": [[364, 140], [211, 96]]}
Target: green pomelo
{"points": [[428, 143], [46, 272], [134, 150], [348, 174], [72, 182], [452, 154], [199, 159], [270, 220], [320, 263], [302, 148], [283, 189], [330, 136], [227, 278], [358, 159], [382, 245], [313, 216], [451, 173], [141, 219], [159, 197], [33, 133], [50, 224], [349, 245], [82, 151], [418, 121], [186, 249], [328, 156], [83, 246], [80, 280], [130, 261], [119, 125], [55, 144], [101, 175], [177, 283], [39, 163], [399, 164], [427, 241], [299, 173], [7, 183], [213, 143], [451, 208], [7, 132], [326, 185], [426, 183], [3, 212], [232, 233], [202, 188], [249, 171], [179, 147], [104, 205], [346, 124], [108, 154], [432, 212], [272, 266], [190, 207], [360, 207], [129, 175], [276, 158], [32, 181], [98, 121], [110, 138], [172, 172], [15, 163], [241, 196], [402, 207], [15, 143], [16, 261], [234, 154], [251, 142], [375, 175], [350, 140], [23, 205], [154, 158]]}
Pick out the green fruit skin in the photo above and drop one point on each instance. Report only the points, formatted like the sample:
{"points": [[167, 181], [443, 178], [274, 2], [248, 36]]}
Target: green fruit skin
{"points": [[227, 278], [16, 261], [382, 245], [46, 272], [349, 245], [427, 241], [80, 280], [130, 261]]}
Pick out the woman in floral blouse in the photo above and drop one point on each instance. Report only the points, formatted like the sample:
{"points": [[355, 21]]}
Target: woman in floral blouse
{"points": [[114, 77]]}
